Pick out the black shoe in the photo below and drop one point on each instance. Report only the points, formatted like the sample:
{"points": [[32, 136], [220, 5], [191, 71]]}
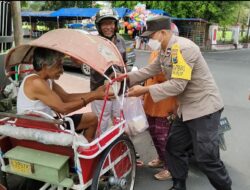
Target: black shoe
{"points": [[173, 188], [176, 188], [178, 184]]}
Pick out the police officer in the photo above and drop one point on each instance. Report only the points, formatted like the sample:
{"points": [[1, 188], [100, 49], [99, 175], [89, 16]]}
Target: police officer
{"points": [[106, 23], [200, 103]]}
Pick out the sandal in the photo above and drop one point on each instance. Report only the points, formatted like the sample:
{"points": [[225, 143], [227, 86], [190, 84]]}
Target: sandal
{"points": [[156, 163], [163, 175], [139, 163]]}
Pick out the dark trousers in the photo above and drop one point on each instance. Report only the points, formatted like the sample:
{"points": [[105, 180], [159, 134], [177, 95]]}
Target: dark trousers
{"points": [[201, 136]]}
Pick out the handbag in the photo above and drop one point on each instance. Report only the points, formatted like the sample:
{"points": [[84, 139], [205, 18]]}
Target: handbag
{"points": [[136, 120]]}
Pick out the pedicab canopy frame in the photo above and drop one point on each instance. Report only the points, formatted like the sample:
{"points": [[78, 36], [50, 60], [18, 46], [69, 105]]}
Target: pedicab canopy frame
{"points": [[97, 52]]}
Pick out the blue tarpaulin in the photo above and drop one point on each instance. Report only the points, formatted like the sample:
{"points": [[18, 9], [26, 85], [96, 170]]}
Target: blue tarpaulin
{"points": [[85, 12], [75, 25], [75, 12], [122, 12], [36, 14], [159, 12], [67, 13], [80, 25], [82, 12]]}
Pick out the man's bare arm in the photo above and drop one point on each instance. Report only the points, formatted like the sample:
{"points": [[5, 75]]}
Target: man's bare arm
{"points": [[41, 91], [88, 97]]}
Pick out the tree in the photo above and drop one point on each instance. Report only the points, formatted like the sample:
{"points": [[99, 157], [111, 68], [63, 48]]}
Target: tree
{"points": [[17, 22], [31, 5], [125, 4], [55, 5], [24, 4], [221, 12], [36, 6]]}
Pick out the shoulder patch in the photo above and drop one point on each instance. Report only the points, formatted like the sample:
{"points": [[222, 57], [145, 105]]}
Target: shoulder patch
{"points": [[180, 69]]}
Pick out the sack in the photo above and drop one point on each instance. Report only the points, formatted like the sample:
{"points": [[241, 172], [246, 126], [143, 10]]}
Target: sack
{"points": [[136, 120]]}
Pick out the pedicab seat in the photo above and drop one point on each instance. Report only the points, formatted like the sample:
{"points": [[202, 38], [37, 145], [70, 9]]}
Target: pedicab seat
{"points": [[45, 132], [38, 135]]}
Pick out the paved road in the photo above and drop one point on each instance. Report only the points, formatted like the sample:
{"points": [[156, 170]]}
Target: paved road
{"points": [[231, 72]]}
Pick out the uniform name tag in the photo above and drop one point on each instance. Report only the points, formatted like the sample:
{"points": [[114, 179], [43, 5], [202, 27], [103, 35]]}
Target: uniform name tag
{"points": [[180, 69]]}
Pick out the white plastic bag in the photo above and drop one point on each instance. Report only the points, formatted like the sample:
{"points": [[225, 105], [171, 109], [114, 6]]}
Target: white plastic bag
{"points": [[134, 114]]}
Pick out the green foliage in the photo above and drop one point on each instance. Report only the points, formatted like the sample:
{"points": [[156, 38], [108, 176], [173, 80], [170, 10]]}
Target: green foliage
{"points": [[125, 4], [97, 6], [31, 6], [227, 36], [55, 5], [245, 39], [24, 4], [35, 6], [222, 12]]}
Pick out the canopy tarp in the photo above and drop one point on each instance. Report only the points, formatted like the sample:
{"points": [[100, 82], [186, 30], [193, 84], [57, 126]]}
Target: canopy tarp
{"points": [[67, 13], [36, 14], [75, 25], [85, 12], [80, 25], [122, 12], [39, 15], [75, 12], [159, 12]]}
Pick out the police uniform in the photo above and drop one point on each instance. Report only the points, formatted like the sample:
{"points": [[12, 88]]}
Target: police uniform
{"points": [[200, 107]]}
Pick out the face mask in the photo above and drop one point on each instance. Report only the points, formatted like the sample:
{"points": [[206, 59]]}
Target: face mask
{"points": [[154, 44]]}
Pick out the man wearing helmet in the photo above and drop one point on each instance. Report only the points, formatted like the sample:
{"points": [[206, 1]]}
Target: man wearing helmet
{"points": [[106, 23]]}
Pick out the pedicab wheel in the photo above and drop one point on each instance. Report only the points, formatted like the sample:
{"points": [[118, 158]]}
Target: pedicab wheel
{"points": [[120, 174]]}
